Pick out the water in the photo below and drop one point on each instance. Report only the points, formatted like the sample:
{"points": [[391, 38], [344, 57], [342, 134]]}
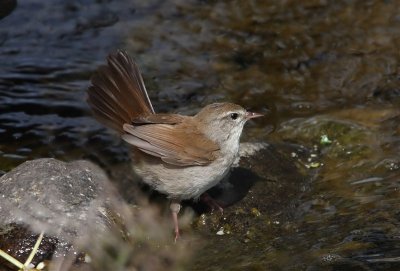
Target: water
{"points": [[323, 68]]}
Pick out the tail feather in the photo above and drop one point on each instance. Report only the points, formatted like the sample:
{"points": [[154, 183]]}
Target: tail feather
{"points": [[118, 94]]}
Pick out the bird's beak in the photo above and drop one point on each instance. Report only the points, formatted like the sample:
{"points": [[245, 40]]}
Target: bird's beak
{"points": [[252, 115]]}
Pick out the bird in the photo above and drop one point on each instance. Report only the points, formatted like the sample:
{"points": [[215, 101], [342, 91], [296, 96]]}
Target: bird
{"points": [[177, 155]]}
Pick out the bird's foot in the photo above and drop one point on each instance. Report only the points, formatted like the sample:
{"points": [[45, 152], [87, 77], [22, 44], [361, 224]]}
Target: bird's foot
{"points": [[177, 236], [212, 203], [175, 208]]}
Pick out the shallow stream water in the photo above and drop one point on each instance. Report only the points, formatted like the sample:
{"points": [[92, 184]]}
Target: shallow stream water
{"points": [[328, 71]]}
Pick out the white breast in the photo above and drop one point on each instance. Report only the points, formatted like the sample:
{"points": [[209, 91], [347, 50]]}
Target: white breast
{"points": [[184, 182]]}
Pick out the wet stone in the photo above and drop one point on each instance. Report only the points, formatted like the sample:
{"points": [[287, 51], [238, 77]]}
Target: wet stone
{"points": [[258, 196]]}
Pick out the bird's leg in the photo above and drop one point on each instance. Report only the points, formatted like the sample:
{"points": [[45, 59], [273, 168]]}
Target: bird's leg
{"points": [[175, 208], [212, 203]]}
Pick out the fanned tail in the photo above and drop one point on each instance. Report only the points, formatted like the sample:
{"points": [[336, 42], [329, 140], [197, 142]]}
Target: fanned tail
{"points": [[118, 94]]}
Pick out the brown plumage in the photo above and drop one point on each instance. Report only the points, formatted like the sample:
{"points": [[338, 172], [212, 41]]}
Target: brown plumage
{"points": [[174, 144]]}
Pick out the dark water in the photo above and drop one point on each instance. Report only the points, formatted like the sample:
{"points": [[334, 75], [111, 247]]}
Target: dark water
{"points": [[325, 68]]}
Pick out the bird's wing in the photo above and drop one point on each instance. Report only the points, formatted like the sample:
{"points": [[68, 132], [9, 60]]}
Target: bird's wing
{"points": [[175, 144]]}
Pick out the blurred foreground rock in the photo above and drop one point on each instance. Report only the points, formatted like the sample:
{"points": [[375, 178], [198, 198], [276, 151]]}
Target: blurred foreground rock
{"points": [[65, 200], [49, 194], [76, 207]]}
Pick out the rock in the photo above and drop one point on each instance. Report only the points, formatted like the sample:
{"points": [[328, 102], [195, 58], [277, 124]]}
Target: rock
{"points": [[64, 200], [54, 196]]}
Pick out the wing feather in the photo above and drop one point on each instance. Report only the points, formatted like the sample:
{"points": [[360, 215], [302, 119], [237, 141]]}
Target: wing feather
{"points": [[174, 144]]}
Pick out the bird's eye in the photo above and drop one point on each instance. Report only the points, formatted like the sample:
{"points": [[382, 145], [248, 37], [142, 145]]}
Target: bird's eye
{"points": [[234, 116]]}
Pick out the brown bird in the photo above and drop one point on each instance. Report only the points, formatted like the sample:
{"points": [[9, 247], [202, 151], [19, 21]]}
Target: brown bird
{"points": [[180, 156]]}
